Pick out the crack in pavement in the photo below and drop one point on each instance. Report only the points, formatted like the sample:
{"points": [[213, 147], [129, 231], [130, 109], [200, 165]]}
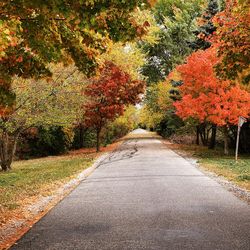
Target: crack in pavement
{"points": [[123, 152], [152, 199]]}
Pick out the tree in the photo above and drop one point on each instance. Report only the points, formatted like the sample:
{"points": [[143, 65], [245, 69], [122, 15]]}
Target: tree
{"points": [[157, 112], [121, 125], [207, 98], [39, 32], [205, 25], [40, 104], [176, 19], [108, 94], [127, 56], [233, 41], [203, 32], [149, 119], [159, 98]]}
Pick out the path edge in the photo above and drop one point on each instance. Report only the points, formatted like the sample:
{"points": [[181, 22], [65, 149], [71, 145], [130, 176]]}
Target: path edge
{"points": [[237, 191], [17, 228]]}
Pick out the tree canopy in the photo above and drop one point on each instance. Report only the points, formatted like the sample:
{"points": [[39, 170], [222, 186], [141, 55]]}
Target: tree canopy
{"points": [[177, 22], [206, 97], [108, 95], [232, 38], [36, 33], [41, 104]]}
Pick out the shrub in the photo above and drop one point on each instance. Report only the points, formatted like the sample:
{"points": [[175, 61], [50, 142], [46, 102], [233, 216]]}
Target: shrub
{"points": [[44, 141]]}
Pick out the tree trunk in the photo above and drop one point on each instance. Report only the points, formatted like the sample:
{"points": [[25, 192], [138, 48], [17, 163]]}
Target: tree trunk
{"points": [[82, 131], [4, 166], [80, 137], [226, 140], [12, 150], [213, 137], [98, 140], [203, 133], [7, 150], [197, 135]]}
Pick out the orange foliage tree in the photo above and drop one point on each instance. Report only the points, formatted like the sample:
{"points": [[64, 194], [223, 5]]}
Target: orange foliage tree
{"points": [[233, 41], [208, 98], [108, 95]]}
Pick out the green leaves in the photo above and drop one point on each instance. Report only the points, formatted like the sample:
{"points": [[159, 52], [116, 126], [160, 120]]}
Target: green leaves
{"points": [[41, 103], [60, 31], [176, 20]]}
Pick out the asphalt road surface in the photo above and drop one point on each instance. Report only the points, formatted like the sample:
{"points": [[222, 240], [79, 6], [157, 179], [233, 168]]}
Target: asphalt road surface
{"points": [[144, 196]]}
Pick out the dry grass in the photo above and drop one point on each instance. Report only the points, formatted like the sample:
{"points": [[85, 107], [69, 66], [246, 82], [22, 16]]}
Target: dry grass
{"points": [[30, 179]]}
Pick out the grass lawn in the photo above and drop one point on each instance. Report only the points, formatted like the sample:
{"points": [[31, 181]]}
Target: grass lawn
{"points": [[32, 178], [215, 161]]}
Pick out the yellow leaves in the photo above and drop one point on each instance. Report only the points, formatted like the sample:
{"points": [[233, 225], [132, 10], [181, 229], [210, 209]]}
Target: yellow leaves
{"points": [[128, 57], [129, 119], [177, 12], [8, 37], [164, 100], [145, 19], [241, 76], [6, 31], [174, 75], [89, 2], [149, 118], [43, 103]]}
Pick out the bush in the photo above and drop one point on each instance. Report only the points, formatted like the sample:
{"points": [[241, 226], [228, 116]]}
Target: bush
{"points": [[121, 126], [115, 131], [84, 138], [43, 141], [169, 124]]}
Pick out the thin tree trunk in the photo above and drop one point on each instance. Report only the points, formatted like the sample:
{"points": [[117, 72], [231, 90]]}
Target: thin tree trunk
{"points": [[12, 151], [213, 137], [203, 134], [7, 150], [98, 140], [226, 140], [197, 135], [4, 151], [81, 133]]}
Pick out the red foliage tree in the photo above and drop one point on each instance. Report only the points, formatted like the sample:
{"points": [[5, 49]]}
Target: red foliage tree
{"points": [[207, 98], [108, 94]]}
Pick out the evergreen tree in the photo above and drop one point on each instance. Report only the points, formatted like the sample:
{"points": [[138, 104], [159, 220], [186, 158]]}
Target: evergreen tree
{"points": [[206, 27]]}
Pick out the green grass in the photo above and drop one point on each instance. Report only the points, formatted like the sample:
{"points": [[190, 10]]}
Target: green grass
{"points": [[226, 166], [238, 172], [31, 178]]}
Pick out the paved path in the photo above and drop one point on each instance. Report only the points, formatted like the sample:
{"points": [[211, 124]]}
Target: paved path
{"points": [[144, 196]]}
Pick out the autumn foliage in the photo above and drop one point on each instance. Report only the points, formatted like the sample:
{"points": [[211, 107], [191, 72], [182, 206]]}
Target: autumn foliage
{"points": [[206, 97], [108, 94], [233, 41]]}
